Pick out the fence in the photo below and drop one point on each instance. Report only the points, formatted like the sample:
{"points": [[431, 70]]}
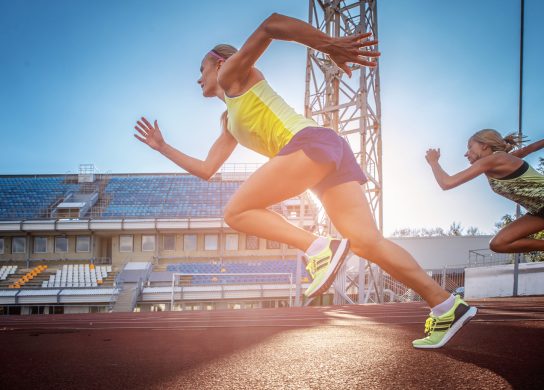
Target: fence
{"points": [[230, 286]]}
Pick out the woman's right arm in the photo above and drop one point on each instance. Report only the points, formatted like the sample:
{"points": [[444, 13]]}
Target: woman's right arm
{"points": [[235, 74], [219, 152], [447, 181], [523, 152]]}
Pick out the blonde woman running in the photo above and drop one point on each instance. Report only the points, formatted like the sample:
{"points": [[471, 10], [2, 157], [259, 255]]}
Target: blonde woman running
{"points": [[508, 175], [302, 156]]}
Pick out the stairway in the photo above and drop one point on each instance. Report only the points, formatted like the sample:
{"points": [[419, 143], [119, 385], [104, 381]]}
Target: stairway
{"points": [[127, 298]]}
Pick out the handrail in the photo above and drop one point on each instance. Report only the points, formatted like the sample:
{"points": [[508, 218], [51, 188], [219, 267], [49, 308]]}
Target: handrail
{"points": [[172, 293]]}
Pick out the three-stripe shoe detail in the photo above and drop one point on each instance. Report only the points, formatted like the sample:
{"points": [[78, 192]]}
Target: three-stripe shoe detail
{"points": [[440, 329], [316, 265], [324, 266]]}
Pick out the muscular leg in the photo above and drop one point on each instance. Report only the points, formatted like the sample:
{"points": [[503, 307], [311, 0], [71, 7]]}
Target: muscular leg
{"points": [[350, 213], [283, 177], [513, 238]]}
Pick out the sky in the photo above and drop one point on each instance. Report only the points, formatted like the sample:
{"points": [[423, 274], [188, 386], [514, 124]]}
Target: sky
{"points": [[76, 75]]}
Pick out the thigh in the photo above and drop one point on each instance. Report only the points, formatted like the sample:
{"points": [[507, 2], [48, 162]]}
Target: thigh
{"points": [[281, 178], [520, 228], [349, 211]]}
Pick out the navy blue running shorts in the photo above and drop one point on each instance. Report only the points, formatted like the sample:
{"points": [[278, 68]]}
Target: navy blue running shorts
{"points": [[324, 145]]}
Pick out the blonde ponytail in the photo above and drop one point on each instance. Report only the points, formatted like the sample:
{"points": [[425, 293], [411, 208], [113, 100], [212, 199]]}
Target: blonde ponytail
{"points": [[512, 140], [495, 140]]}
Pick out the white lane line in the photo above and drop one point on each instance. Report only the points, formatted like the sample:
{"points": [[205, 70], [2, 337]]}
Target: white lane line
{"points": [[238, 321], [234, 326]]}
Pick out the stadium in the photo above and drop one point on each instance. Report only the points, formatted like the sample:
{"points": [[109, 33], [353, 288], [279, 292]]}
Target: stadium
{"points": [[89, 242], [95, 243], [136, 280], [79, 252]]}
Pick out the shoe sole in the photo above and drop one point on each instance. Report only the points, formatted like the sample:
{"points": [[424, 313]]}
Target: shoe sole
{"points": [[471, 312], [336, 264]]}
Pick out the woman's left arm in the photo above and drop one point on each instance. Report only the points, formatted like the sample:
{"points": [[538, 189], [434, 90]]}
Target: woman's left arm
{"points": [[350, 49], [523, 152]]}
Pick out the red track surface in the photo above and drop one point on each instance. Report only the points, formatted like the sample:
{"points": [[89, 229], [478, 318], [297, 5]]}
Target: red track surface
{"points": [[336, 347]]}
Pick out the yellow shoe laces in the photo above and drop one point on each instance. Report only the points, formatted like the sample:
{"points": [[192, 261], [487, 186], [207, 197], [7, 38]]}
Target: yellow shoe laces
{"points": [[311, 268], [429, 325]]}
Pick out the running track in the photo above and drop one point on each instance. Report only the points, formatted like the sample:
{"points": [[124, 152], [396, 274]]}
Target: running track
{"points": [[335, 347]]}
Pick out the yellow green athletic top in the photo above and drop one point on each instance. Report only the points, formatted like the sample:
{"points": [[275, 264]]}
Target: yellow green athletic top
{"points": [[262, 121], [525, 186]]}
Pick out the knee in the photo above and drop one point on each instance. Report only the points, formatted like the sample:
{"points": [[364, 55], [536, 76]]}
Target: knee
{"points": [[367, 245], [497, 244], [230, 215]]}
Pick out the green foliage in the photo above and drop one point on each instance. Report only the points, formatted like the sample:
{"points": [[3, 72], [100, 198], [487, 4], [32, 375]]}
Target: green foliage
{"points": [[505, 220]]}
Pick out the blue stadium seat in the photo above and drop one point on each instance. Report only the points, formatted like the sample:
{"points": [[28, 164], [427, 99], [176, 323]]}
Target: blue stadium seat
{"points": [[238, 267]]}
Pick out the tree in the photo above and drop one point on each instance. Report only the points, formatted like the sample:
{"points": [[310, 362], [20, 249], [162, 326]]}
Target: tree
{"points": [[473, 231], [433, 232], [405, 232], [455, 229], [505, 220], [540, 166]]}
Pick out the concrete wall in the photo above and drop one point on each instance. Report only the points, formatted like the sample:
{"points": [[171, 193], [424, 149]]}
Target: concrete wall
{"points": [[436, 252], [49, 254], [498, 281], [108, 243]]}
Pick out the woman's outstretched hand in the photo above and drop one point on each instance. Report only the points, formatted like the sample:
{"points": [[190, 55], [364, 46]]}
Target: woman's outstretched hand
{"points": [[150, 134], [432, 155], [352, 49]]}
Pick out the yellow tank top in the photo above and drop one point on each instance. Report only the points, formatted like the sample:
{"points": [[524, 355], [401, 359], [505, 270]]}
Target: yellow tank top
{"points": [[262, 121]]}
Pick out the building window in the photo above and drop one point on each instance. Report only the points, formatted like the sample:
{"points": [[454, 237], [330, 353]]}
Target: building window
{"points": [[83, 243], [61, 244], [1, 246], [231, 242], [18, 245], [210, 242], [148, 243], [40, 244], [169, 242], [189, 242], [126, 243], [272, 244], [252, 242]]}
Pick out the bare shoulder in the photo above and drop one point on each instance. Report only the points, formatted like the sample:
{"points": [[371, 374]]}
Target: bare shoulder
{"points": [[235, 85], [501, 164]]}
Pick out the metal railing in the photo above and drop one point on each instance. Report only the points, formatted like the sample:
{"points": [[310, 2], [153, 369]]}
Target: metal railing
{"points": [[486, 257], [222, 286]]}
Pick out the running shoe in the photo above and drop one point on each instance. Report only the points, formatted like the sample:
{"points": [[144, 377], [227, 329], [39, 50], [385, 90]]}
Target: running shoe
{"points": [[439, 330], [324, 266]]}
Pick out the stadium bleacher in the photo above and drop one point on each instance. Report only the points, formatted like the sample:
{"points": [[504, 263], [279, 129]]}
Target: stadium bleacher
{"points": [[7, 270], [15, 201], [31, 203], [172, 196], [226, 267], [28, 276], [140, 196], [78, 275]]}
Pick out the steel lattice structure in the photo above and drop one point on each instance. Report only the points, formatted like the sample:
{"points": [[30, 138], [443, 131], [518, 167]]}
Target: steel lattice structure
{"points": [[350, 106]]}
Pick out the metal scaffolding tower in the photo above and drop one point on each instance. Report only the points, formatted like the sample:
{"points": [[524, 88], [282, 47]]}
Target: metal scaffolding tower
{"points": [[350, 106]]}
